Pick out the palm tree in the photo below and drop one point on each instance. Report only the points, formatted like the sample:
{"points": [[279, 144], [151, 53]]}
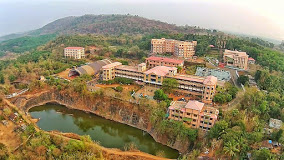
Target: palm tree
{"points": [[230, 148]]}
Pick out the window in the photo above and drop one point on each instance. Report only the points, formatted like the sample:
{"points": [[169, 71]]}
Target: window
{"points": [[211, 118], [188, 114], [195, 115], [194, 120], [193, 125]]}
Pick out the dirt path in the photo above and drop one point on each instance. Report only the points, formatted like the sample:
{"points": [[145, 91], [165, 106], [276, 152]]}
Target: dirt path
{"points": [[24, 116]]}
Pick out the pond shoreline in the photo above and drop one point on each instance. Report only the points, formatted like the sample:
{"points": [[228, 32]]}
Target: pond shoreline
{"points": [[108, 108], [110, 134]]}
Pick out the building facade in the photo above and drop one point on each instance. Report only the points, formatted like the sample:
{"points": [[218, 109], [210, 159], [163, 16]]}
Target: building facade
{"points": [[236, 59], [202, 86], [194, 114], [74, 52], [109, 71], [162, 61], [182, 49]]}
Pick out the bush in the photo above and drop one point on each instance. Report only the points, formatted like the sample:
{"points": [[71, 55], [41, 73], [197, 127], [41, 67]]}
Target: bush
{"points": [[124, 62], [118, 89], [160, 95], [123, 80], [243, 79]]}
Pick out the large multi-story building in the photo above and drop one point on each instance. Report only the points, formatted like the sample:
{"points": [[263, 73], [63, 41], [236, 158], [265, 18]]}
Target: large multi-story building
{"points": [[74, 52], [236, 59], [194, 114], [163, 61], [203, 86], [183, 49], [109, 71]]}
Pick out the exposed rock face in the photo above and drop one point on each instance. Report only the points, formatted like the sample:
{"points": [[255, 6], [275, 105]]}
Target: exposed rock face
{"points": [[107, 107]]}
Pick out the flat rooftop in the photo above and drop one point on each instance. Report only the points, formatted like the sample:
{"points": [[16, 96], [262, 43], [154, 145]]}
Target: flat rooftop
{"points": [[221, 75], [165, 59], [190, 77], [126, 67]]}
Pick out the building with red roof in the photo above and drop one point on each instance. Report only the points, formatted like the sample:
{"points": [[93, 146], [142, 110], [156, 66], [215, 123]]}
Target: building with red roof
{"points": [[251, 60], [235, 59], [74, 52], [163, 61], [194, 114], [202, 86]]}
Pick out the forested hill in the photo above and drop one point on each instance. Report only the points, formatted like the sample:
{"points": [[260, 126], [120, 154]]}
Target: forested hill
{"points": [[111, 24]]}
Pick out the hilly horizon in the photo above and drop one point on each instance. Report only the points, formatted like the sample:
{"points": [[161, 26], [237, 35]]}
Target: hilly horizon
{"points": [[105, 24]]}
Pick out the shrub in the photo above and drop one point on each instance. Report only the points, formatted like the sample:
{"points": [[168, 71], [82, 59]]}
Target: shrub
{"points": [[118, 89], [123, 80], [160, 95]]}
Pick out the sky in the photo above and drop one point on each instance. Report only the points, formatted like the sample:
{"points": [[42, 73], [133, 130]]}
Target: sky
{"points": [[253, 17]]}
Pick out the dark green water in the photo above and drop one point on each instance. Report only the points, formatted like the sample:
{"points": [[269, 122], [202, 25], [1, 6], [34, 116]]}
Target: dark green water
{"points": [[110, 134]]}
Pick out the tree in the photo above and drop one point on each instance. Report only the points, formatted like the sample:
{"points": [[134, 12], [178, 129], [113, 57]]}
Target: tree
{"points": [[169, 84], [2, 80], [179, 68], [160, 95], [243, 79], [230, 148], [276, 135], [218, 129], [262, 154], [12, 78]]}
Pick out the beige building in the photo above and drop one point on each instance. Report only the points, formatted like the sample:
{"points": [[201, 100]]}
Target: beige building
{"points": [[236, 59], [194, 114], [109, 71], [183, 49], [203, 86], [163, 61], [74, 52]]}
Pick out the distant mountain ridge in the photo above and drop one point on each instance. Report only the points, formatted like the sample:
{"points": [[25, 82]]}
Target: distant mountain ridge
{"points": [[105, 24]]}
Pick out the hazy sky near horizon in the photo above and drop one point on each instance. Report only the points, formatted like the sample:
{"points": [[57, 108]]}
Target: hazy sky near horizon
{"points": [[254, 17]]}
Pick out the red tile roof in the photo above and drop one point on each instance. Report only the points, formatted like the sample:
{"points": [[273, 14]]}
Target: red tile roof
{"points": [[74, 48], [210, 80], [160, 70], [251, 59], [163, 59], [193, 104]]}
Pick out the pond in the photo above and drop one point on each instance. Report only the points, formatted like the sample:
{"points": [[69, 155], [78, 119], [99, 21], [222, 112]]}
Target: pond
{"points": [[109, 133]]}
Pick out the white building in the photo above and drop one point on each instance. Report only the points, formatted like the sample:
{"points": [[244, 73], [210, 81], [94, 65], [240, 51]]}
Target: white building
{"points": [[74, 52]]}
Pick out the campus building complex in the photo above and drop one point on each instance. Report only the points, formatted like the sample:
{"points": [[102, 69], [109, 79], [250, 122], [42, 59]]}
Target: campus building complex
{"points": [[236, 59], [203, 86], [194, 114], [74, 52], [162, 61], [108, 71], [183, 49]]}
